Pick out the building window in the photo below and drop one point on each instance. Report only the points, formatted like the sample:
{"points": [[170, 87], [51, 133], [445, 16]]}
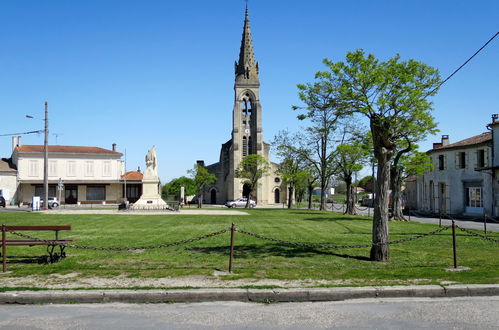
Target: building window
{"points": [[96, 193], [245, 146], [53, 168], [481, 158], [89, 168], [474, 197], [39, 191], [441, 162], [33, 168], [71, 168], [462, 159], [106, 171]]}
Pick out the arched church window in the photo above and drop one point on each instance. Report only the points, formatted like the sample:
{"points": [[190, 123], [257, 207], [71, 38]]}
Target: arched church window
{"points": [[250, 145]]}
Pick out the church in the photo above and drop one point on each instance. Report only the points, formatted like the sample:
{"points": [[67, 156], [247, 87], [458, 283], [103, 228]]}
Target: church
{"points": [[247, 137]]}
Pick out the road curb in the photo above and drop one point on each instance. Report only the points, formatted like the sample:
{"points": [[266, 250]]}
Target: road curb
{"points": [[244, 295]]}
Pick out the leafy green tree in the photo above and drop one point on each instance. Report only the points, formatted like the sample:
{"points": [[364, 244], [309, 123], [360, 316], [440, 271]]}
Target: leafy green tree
{"points": [[413, 163], [322, 113], [172, 188], [366, 183], [393, 96], [201, 178], [252, 168], [350, 159], [292, 166]]}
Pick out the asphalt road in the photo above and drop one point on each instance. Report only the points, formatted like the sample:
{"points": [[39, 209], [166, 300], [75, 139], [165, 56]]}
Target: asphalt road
{"points": [[441, 313]]}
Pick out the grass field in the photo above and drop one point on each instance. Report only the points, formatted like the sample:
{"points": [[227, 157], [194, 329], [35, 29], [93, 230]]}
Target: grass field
{"points": [[421, 261]]}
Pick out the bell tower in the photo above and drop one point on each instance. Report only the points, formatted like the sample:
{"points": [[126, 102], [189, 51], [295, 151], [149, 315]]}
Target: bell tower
{"points": [[247, 133]]}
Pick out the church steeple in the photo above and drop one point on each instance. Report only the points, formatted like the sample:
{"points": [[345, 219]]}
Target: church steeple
{"points": [[246, 68]]}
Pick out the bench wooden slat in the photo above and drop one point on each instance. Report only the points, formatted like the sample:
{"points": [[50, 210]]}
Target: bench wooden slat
{"points": [[31, 243], [33, 228]]}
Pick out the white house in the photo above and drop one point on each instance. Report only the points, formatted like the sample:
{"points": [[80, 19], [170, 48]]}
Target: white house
{"points": [[463, 180], [89, 174], [8, 180]]}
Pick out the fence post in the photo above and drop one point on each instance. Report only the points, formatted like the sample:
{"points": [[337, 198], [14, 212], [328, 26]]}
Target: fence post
{"points": [[440, 219], [454, 242], [409, 213], [485, 223], [4, 250], [231, 256]]}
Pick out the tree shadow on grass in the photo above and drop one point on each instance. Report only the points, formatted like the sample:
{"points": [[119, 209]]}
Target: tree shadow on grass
{"points": [[26, 259], [262, 251]]}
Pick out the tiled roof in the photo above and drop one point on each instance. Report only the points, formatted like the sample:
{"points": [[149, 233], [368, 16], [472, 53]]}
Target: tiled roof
{"points": [[68, 149], [6, 165], [133, 176], [474, 140]]}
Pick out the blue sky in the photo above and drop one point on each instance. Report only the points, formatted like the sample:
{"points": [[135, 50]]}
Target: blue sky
{"points": [[143, 73]]}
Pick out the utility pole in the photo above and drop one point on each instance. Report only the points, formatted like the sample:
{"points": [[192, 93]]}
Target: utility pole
{"points": [[45, 159]]}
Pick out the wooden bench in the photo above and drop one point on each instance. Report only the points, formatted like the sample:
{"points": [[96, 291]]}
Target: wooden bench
{"points": [[50, 243]]}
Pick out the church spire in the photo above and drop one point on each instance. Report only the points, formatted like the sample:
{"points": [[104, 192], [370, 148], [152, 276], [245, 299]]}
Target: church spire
{"points": [[246, 68]]}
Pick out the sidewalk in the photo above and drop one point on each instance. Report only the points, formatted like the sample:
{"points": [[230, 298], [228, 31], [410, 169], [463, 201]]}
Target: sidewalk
{"points": [[244, 295], [468, 224]]}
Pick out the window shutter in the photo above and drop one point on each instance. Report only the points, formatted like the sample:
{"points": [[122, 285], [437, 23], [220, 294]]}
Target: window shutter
{"points": [[445, 162], [467, 160], [476, 159], [486, 162], [457, 160]]}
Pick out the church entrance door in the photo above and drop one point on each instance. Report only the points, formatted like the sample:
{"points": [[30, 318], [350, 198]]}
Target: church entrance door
{"points": [[277, 196], [246, 190], [213, 196]]}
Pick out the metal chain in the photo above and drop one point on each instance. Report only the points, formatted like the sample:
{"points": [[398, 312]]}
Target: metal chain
{"points": [[493, 220], [334, 246], [146, 247], [478, 235]]}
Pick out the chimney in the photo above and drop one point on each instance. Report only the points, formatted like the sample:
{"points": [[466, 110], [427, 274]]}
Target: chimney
{"points": [[114, 147], [138, 169], [14, 143], [19, 141], [445, 140], [495, 118], [200, 163]]}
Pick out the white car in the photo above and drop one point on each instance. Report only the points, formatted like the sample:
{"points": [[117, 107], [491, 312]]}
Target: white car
{"points": [[240, 202], [53, 203]]}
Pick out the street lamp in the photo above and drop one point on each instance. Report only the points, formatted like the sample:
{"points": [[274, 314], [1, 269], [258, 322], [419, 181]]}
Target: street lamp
{"points": [[45, 157]]}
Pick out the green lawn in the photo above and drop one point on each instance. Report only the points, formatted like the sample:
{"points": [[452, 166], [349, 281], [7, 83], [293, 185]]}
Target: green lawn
{"points": [[421, 261]]}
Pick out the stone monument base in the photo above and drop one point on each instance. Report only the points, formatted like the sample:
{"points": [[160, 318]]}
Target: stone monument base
{"points": [[150, 199]]}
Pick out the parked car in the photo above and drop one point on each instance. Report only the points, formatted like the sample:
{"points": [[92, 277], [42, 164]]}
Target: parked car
{"points": [[240, 202], [2, 201], [53, 203]]}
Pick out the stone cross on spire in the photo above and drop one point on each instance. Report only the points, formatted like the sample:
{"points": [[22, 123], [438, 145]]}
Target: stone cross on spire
{"points": [[246, 68]]}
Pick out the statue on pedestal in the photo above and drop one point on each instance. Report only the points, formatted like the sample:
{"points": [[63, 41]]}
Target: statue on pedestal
{"points": [[151, 171]]}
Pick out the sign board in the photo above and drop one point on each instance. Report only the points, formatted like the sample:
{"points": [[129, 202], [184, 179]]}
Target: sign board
{"points": [[35, 203]]}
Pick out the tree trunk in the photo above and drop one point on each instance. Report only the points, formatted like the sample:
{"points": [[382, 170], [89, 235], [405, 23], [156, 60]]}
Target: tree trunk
{"points": [[380, 250], [350, 201], [200, 200], [323, 193], [397, 207], [290, 197], [310, 190]]}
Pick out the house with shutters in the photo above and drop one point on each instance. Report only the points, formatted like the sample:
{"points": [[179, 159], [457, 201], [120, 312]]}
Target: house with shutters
{"points": [[91, 175], [463, 180]]}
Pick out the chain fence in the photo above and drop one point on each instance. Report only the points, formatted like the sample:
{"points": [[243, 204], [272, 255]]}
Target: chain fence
{"points": [[145, 247], [335, 246], [472, 233]]}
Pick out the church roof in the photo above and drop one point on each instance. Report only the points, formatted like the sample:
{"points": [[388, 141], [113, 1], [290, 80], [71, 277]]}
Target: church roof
{"points": [[246, 67]]}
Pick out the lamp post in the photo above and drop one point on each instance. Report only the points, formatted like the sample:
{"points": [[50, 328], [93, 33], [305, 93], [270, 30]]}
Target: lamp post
{"points": [[45, 157]]}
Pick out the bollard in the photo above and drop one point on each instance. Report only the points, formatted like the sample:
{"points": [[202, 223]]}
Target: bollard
{"points": [[231, 256], [454, 242], [409, 213], [485, 223], [4, 250], [440, 219]]}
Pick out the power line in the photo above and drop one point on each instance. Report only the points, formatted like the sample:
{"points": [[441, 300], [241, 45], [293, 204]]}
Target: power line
{"points": [[462, 65], [23, 133]]}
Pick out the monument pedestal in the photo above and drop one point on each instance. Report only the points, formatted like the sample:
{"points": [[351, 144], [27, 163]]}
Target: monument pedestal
{"points": [[151, 197]]}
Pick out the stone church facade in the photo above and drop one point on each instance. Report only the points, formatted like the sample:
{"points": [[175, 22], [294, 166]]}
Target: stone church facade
{"points": [[247, 136]]}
